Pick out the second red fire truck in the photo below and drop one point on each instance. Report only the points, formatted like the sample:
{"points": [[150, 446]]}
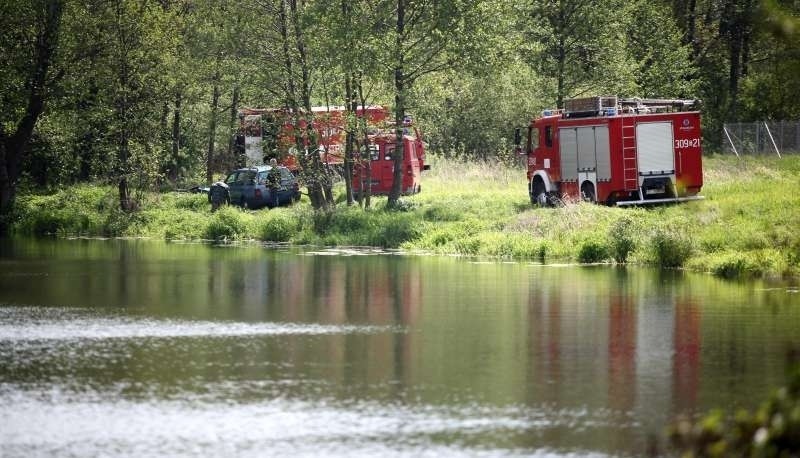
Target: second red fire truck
{"points": [[266, 133], [615, 151]]}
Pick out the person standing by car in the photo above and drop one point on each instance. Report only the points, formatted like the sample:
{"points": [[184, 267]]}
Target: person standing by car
{"points": [[274, 181]]}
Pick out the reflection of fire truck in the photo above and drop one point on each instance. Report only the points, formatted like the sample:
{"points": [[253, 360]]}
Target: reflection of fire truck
{"points": [[615, 151], [267, 133]]}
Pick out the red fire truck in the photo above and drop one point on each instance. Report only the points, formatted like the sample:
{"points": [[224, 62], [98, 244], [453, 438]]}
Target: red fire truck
{"points": [[266, 133], [381, 162], [615, 151]]}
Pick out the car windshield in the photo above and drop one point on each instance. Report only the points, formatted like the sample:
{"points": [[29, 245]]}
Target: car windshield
{"points": [[262, 177]]}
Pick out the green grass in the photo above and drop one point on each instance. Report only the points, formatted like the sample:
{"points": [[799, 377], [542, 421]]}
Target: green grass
{"points": [[746, 227]]}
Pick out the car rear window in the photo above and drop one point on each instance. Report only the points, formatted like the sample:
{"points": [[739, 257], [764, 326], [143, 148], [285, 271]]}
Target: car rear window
{"points": [[247, 176]]}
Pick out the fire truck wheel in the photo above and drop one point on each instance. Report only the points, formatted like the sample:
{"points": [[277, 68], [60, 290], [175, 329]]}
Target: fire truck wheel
{"points": [[538, 194], [587, 192]]}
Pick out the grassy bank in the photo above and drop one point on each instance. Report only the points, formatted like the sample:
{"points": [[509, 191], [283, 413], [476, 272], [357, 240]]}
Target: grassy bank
{"points": [[747, 226]]}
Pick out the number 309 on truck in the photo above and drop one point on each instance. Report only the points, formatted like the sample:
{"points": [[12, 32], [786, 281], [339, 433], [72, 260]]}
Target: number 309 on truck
{"points": [[615, 151]]}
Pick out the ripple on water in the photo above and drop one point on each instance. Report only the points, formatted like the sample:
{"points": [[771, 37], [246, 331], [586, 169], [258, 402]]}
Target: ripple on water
{"points": [[210, 416], [45, 323], [60, 422]]}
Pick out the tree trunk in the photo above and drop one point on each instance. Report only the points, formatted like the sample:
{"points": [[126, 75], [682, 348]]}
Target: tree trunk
{"points": [[561, 72], [319, 187], [13, 147], [366, 187], [399, 107], [231, 160], [212, 124], [307, 176], [176, 137], [351, 107]]}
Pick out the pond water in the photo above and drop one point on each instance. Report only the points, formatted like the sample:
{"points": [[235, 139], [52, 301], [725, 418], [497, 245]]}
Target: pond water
{"points": [[143, 348]]}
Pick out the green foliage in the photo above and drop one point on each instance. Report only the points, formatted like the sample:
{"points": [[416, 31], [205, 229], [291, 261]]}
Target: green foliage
{"points": [[671, 246], [593, 250], [664, 63], [79, 210], [622, 239], [735, 264], [353, 226], [280, 225], [228, 223], [480, 110], [773, 430]]}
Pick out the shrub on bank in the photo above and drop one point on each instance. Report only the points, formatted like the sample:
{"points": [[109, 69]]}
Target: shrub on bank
{"points": [[279, 225], [593, 250], [228, 223], [77, 210], [736, 264], [622, 239], [670, 246]]}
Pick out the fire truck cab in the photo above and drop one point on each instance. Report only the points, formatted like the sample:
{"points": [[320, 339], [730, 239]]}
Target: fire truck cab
{"points": [[381, 163], [615, 151]]}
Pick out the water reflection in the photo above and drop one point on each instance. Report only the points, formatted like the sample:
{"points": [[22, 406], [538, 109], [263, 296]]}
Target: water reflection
{"points": [[279, 351]]}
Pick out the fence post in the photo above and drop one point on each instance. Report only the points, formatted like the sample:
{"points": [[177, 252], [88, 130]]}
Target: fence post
{"points": [[773, 140], [725, 129]]}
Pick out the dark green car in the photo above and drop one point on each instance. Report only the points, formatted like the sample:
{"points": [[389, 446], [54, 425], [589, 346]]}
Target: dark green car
{"points": [[251, 187]]}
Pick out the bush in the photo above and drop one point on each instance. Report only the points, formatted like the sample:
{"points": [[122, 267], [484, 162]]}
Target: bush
{"points": [[279, 226], [771, 431], [395, 230], [748, 264], [592, 250], [78, 210], [467, 246], [670, 247], [621, 241], [228, 223]]}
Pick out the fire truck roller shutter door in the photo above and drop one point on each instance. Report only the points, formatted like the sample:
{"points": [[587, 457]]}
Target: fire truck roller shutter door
{"points": [[602, 152], [569, 153], [655, 146], [586, 159]]}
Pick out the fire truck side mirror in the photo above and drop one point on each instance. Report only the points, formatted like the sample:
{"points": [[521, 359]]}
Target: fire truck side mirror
{"points": [[517, 137]]}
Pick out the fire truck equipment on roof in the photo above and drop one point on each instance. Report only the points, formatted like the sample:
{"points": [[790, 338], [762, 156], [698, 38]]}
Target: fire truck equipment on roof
{"points": [[616, 151]]}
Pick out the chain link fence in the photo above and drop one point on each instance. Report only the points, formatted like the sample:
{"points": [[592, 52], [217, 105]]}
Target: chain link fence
{"points": [[778, 137]]}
